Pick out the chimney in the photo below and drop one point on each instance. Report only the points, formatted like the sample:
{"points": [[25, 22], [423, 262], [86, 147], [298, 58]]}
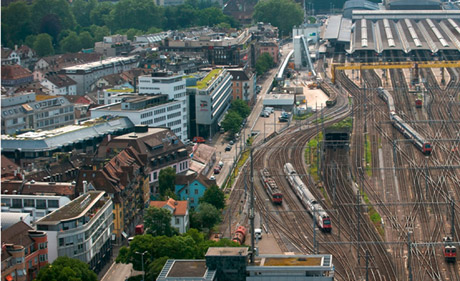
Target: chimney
{"points": [[85, 187]]}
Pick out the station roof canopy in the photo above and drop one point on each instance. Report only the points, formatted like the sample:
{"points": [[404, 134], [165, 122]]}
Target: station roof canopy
{"points": [[338, 29], [405, 34]]}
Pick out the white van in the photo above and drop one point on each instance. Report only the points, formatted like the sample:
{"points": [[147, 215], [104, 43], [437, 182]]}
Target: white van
{"points": [[258, 233], [269, 109]]}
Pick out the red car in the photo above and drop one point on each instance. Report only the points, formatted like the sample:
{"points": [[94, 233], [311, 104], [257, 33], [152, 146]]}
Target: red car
{"points": [[198, 140], [217, 170]]}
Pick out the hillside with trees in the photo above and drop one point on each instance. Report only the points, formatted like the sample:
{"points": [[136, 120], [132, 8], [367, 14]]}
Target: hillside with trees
{"points": [[79, 24]]}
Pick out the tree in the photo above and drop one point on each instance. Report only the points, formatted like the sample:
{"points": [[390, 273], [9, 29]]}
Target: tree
{"points": [[100, 15], [166, 180], [283, 14], [207, 216], [158, 222], [71, 43], [155, 267], [82, 11], [241, 107], [264, 62], [232, 122], [99, 32], [138, 14], [43, 45], [51, 24], [60, 8], [16, 22], [214, 196], [65, 268], [86, 40]]}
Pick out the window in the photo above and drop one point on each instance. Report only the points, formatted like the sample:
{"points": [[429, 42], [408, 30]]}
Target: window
{"points": [[41, 204], [196, 191], [17, 203], [177, 221], [29, 203], [53, 203], [30, 264]]}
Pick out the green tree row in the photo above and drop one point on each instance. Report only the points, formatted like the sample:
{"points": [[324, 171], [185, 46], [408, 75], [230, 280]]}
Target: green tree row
{"points": [[158, 249], [79, 24], [239, 110]]}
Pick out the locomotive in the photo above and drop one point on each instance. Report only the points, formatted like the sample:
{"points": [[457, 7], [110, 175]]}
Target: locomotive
{"points": [[307, 199], [240, 235], [271, 187], [420, 142], [449, 250]]}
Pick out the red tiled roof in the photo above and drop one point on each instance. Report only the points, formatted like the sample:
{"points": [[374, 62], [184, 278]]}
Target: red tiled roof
{"points": [[60, 80], [17, 234], [12, 72], [8, 166], [179, 207]]}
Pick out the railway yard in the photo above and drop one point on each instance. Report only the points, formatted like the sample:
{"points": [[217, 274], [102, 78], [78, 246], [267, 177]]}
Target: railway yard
{"points": [[383, 202]]}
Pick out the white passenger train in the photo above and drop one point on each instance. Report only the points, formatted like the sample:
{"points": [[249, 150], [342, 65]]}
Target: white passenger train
{"points": [[419, 141], [307, 199]]}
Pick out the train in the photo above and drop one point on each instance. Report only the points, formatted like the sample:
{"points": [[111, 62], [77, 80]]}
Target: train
{"points": [[330, 92], [240, 235], [271, 187], [449, 250], [402, 126], [418, 102], [307, 199]]}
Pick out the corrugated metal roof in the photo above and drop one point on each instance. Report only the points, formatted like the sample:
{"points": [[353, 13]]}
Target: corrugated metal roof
{"points": [[333, 27]]}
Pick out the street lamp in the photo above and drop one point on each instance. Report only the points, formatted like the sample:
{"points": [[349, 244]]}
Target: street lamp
{"points": [[142, 260]]}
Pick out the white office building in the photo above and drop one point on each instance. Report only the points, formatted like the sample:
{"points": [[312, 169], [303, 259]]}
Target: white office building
{"points": [[210, 98], [153, 111], [37, 206], [82, 229]]}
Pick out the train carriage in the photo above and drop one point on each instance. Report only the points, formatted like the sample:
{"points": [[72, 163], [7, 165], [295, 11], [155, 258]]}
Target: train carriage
{"points": [[307, 199], [449, 250], [271, 187]]}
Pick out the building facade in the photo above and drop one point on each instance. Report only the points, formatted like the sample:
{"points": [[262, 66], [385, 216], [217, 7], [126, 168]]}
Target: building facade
{"points": [[15, 75], [24, 252], [153, 111], [59, 84], [114, 45], [124, 179], [243, 85], [29, 111], [86, 74], [209, 99], [82, 230]]}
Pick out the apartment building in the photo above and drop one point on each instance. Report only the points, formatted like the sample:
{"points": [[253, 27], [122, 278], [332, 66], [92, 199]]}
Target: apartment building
{"points": [[209, 99], [29, 111], [59, 84], [24, 252], [114, 45], [87, 74], [82, 229], [158, 146], [243, 85]]}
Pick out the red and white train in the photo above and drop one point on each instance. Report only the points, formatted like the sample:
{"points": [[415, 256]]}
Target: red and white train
{"points": [[307, 199], [418, 140], [449, 250], [240, 235], [271, 187]]}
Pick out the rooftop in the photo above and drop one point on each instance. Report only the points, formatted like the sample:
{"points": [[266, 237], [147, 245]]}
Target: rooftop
{"points": [[227, 251], [186, 268], [179, 207], [316, 262], [288, 261], [91, 65], [204, 83], [75, 209]]}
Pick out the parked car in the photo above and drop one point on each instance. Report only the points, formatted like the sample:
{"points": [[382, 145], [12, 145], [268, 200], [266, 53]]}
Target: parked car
{"points": [[221, 164], [228, 148], [264, 113], [269, 109], [198, 140], [231, 142], [217, 170], [213, 178]]}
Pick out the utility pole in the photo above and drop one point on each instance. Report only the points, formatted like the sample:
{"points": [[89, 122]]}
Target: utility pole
{"points": [[452, 217], [251, 212], [367, 265], [409, 256], [357, 228]]}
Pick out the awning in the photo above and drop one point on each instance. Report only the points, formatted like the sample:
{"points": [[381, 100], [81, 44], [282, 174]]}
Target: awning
{"points": [[9, 278], [124, 234]]}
